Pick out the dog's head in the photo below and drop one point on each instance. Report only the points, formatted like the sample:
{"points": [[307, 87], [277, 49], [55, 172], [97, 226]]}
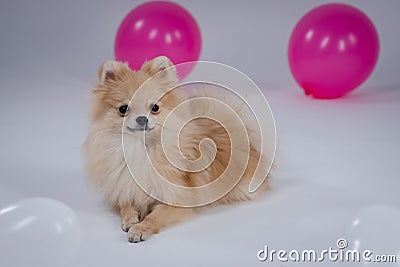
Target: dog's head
{"points": [[135, 102]]}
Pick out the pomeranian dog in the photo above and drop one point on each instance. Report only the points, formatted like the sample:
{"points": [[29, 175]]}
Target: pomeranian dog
{"points": [[157, 161]]}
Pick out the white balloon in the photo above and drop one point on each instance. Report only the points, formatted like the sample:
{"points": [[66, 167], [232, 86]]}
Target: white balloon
{"points": [[38, 232], [377, 229]]}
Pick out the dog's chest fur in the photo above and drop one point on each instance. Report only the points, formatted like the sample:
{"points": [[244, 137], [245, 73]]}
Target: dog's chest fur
{"points": [[143, 164], [137, 175]]}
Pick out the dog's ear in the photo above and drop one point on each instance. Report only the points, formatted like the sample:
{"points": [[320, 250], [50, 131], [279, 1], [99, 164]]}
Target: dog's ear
{"points": [[111, 71], [161, 63]]}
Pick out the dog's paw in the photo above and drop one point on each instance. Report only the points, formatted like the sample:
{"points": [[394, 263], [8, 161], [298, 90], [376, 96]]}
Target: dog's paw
{"points": [[138, 233], [127, 224]]}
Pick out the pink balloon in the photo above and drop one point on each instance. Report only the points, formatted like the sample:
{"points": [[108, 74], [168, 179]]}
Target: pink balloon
{"points": [[155, 29], [332, 50]]}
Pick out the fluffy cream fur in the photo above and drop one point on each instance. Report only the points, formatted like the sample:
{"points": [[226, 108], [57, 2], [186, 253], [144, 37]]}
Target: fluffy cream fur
{"points": [[141, 201]]}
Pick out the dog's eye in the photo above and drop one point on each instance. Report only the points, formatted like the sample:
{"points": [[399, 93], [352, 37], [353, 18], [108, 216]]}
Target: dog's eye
{"points": [[155, 109], [123, 109]]}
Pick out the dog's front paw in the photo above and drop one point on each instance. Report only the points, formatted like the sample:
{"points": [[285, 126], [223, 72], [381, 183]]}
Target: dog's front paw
{"points": [[127, 224], [138, 233]]}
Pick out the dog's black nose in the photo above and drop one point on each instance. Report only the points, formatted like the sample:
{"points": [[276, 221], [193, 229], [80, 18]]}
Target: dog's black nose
{"points": [[141, 120]]}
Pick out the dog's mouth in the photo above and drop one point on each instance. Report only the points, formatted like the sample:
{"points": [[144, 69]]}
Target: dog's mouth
{"points": [[140, 129]]}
